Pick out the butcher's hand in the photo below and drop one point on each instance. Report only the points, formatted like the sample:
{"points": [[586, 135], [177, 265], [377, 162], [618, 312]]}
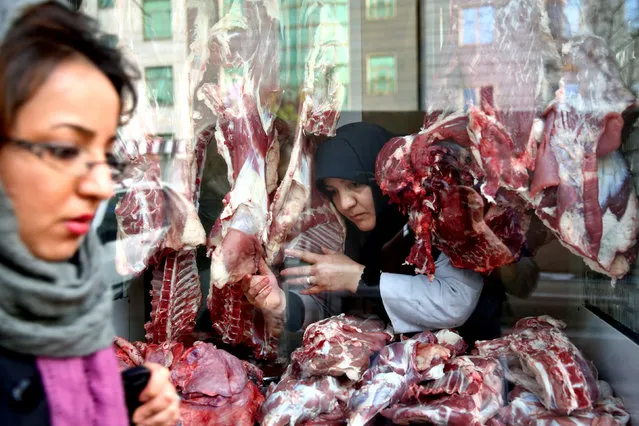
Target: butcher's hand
{"points": [[330, 271], [160, 402], [264, 292]]}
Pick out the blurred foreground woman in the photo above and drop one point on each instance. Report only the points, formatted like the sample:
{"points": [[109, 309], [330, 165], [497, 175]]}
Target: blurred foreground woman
{"points": [[62, 96]]}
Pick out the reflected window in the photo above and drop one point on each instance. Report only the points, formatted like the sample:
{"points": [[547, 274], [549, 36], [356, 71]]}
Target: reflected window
{"points": [[632, 13], [470, 97], [157, 19], [381, 77], [572, 91], [380, 9], [166, 136], [159, 83], [105, 4], [477, 25], [572, 18]]}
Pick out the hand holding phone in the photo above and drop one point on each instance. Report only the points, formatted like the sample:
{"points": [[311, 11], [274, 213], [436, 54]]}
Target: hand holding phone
{"points": [[135, 380]]}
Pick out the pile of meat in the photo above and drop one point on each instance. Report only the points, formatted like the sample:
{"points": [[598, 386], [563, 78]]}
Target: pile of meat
{"points": [[553, 382], [216, 388], [343, 374]]}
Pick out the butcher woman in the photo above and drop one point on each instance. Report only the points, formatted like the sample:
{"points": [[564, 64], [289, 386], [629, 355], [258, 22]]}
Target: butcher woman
{"points": [[62, 95], [377, 244]]}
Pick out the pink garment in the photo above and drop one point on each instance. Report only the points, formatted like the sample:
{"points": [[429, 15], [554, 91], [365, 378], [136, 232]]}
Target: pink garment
{"points": [[84, 390]]}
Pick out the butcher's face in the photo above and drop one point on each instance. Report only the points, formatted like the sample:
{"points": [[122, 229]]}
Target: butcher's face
{"points": [[354, 201], [77, 108]]}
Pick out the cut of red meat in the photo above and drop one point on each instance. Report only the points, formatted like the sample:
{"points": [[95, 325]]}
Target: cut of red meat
{"points": [[320, 226], [340, 345], [397, 367], [320, 103], [205, 370], [544, 361], [525, 408], [247, 39], [438, 188], [158, 212], [540, 322], [237, 321], [474, 398], [176, 298], [295, 401], [496, 153], [127, 354], [166, 353], [239, 410], [452, 341]]}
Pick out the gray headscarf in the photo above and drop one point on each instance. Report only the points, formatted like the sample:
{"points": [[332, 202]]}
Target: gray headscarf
{"points": [[49, 309]]}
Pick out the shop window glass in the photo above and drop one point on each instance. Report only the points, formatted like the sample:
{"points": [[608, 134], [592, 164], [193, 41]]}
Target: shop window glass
{"points": [[157, 19], [381, 75], [477, 25], [159, 81], [380, 9]]}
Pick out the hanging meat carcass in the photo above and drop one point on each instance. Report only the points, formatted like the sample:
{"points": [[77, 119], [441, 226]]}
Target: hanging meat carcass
{"points": [[256, 221], [582, 189], [246, 39], [157, 213]]}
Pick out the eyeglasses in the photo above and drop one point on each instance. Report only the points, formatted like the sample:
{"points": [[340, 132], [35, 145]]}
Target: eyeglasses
{"points": [[70, 159]]}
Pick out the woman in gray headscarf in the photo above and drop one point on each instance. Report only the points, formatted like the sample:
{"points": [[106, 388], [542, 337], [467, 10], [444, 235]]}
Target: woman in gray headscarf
{"points": [[62, 95]]}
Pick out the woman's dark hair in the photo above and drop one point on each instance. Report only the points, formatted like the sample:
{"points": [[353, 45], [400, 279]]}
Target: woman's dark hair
{"points": [[44, 36]]}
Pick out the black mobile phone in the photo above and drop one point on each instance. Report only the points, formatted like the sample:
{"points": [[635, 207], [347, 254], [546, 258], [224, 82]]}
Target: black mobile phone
{"points": [[135, 380]]}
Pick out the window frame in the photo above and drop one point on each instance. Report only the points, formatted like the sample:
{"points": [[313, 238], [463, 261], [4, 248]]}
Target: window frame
{"points": [[368, 75], [477, 21], [145, 16], [155, 100], [372, 6]]}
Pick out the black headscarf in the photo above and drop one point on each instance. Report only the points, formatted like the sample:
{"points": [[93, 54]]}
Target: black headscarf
{"points": [[351, 155]]}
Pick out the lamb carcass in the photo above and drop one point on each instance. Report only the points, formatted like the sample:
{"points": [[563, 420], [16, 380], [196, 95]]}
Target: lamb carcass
{"points": [[247, 37]]}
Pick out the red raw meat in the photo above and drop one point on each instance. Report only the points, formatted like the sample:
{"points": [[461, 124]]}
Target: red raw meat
{"points": [[452, 341], [504, 165], [213, 384], [582, 189], [127, 354], [205, 370], [476, 386], [433, 175], [351, 340], [176, 298], [295, 401], [176, 292], [247, 38], [525, 408], [158, 213], [320, 226], [238, 410], [238, 321], [543, 360], [398, 366], [321, 98], [165, 354]]}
